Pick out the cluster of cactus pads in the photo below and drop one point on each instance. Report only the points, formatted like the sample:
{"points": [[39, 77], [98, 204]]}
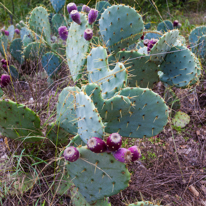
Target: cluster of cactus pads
{"points": [[121, 60]]}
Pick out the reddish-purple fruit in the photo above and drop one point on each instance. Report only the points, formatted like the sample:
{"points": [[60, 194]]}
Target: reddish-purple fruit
{"points": [[17, 31], [3, 61], [71, 154], [6, 33], [145, 42], [71, 6], [96, 145], [136, 154], [175, 23], [123, 155], [63, 32], [114, 142], [92, 16], [75, 16], [86, 8], [88, 33], [5, 80], [151, 43], [142, 37]]}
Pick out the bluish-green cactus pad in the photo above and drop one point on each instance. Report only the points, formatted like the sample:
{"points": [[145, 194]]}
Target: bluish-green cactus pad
{"points": [[165, 26], [152, 35], [120, 26], [57, 21], [97, 175], [16, 50], [3, 44], [146, 118], [57, 4]]}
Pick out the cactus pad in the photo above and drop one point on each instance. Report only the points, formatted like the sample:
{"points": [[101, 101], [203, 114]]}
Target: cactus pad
{"points": [[142, 76], [66, 113], [59, 48], [11, 32], [165, 26], [57, 21], [14, 71], [19, 122], [77, 47], [110, 81], [179, 67], [76, 141], [164, 45], [120, 26], [89, 121], [109, 176], [39, 23], [3, 44], [51, 63], [152, 35], [146, 118], [16, 50], [57, 4], [181, 119], [101, 6]]}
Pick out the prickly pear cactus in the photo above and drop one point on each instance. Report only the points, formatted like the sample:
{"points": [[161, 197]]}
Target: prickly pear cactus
{"points": [[101, 6], [66, 110], [11, 32], [120, 26], [110, 81], [146, 117], [152, 35], [25, 32], [39, 23], [16, 50], [201, 48], [57, 21], [19, 122], [27, 40], [51, 63], [165, 43], [3, 44], [88, 116], [165, 26], [77, 47], [181, 119], [143, 76], [76, 141], [110, 176], [14, 72], [179, 67], [57, 4]]}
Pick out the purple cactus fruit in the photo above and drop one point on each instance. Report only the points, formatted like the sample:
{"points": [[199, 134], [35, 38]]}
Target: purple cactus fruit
{"points": [[3, 61], [114, 142], [5, 67], [145, 42], [88, 33], [71, 154], [63, 32], [17, 31], [151, 43], [96, 145], [175, 23], [86, 8], [136, 154], [92, 16], [71, 6], [5, 80], [188, 46], [142, 37], [75, 16], [123, 155], [6, 33]]}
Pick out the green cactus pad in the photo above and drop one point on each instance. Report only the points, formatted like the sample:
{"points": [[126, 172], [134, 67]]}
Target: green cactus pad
{"points": [[18, 26], [34, 51], [51, 63], [148, 25], [152, 35], [76, 141], [143, 203], [120, 26], [57, 4], [25, 32], [101, 6], [19, 122], [11, 32], [165, 26], [39, 23], [109, 175], [66, 109], [110, 81], [107, 108], [3, 44], [199, 71], [143, 76], [146, 118], [59, 48], [201, 48], [89, 122], [181, 119], [57, 134], [77, 47], [27, 40], [164, 45], [57, 21], [179, 67], [195, 34], [143, 50], [16, 50], [139, 45], [14, 72]]}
